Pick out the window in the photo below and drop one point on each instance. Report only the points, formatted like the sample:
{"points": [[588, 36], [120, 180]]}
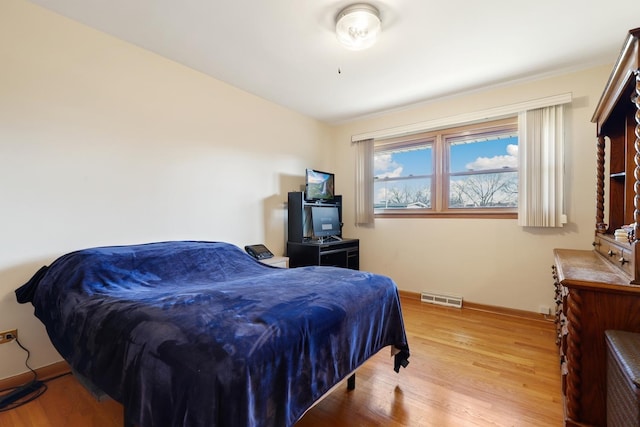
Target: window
{"points": [[470, 171], [403, 175]]}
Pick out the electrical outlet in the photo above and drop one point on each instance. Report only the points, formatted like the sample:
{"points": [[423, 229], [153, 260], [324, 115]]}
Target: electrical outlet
{"points": [[544, 309], [7, 336]]}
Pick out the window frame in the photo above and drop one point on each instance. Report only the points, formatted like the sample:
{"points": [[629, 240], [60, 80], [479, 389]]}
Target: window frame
{"points": [[441, 176], [421, 140]]}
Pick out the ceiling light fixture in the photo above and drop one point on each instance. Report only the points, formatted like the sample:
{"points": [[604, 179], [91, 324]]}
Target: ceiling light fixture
{"points": [[358, 26]]}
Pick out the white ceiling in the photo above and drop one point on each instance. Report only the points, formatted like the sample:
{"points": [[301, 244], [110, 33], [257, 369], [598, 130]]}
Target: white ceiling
{"points": [[286, 50]]}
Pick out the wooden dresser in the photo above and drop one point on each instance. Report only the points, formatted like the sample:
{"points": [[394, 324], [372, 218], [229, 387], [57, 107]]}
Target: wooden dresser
{"points": [[597, 289], [593, 296]]}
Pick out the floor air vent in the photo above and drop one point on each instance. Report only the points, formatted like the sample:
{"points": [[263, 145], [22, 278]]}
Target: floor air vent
{"points": [[441, 299]]}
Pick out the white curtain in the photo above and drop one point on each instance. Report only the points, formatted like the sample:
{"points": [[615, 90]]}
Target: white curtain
{"points": [[364, 182], [541, 167]]}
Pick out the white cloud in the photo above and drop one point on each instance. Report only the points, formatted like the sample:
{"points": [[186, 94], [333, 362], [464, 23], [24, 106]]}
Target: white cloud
{"points": [[391, 174], [383, 162], [385, 167], [509, 160]]}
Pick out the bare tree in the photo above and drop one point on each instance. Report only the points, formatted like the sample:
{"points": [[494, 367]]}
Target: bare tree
{"points": [[406, 195], [484, 190], [474, 190]]}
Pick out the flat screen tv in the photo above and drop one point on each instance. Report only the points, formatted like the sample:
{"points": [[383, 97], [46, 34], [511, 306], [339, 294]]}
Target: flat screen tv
{"points": [[326, 221], [319, 186]]}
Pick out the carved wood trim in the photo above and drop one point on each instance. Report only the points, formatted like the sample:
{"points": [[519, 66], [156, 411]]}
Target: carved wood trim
{"points": [[574, 354], [600, 225], [636, 159]]}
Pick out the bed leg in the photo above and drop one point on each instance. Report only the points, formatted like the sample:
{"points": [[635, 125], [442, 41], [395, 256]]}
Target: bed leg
{"points": [[351, 382], [126, 423]]}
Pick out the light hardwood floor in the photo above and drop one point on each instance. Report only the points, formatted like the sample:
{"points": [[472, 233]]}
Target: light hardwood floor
{"points": [[467, 368]]}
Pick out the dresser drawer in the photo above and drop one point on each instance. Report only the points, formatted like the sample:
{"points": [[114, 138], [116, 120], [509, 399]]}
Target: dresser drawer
{"points": [[617, 253]]}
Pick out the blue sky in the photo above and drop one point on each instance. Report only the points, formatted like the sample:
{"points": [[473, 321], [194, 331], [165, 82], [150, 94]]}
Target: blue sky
{"points": [[485, 155]]}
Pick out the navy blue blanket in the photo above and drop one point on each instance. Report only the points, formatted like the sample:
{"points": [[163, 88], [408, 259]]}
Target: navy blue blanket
{"points": [[201, 334]]}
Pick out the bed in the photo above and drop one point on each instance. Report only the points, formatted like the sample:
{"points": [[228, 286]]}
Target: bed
{"points": [[191, 333]]}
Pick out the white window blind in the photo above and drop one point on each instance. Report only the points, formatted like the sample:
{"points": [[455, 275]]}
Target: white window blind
{"points": [[364, 182], [541, 164]]}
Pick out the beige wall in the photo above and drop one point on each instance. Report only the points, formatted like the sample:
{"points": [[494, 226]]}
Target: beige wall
{"points": [[104, 143], [486, 261]]}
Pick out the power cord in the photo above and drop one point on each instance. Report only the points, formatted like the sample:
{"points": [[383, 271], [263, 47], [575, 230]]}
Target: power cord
{"points": [[25, 393]]}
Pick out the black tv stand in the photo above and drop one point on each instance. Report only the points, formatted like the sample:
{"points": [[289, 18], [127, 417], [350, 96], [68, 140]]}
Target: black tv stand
{"points": [[328, 239], [304, 249], [340, 253]]}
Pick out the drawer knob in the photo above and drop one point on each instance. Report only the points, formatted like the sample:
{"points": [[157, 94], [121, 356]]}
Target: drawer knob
{"points": [[611, 253], [622, 260], [595, 244]]}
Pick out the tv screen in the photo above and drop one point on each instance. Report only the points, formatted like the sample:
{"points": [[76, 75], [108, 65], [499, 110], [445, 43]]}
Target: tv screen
{"points": [[326, 221], [319, 185]]}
